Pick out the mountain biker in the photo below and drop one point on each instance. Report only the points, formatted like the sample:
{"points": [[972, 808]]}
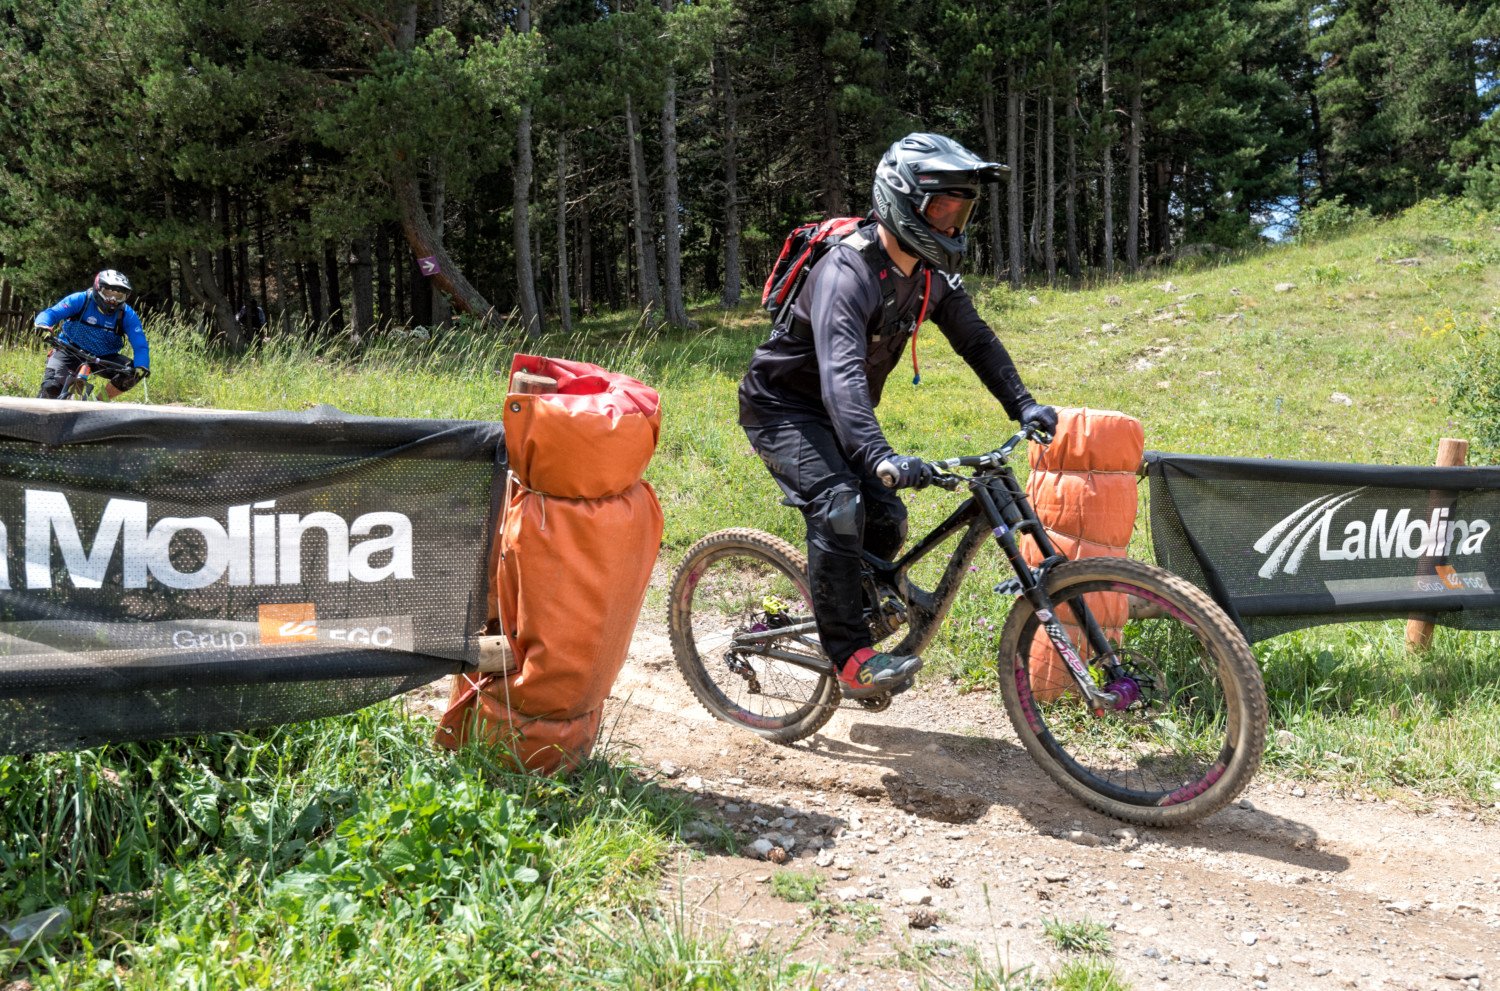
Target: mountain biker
{"points": [[99, 321], [807, 401]]}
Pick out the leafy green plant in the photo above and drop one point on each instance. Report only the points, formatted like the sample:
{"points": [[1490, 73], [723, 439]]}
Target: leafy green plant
{"points": [[1327, 275], [1080, 936], [1328, 218], [795, 886], [1090, 974]]}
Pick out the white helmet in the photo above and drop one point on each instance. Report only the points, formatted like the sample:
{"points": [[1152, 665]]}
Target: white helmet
{"points": [[111, 289]]}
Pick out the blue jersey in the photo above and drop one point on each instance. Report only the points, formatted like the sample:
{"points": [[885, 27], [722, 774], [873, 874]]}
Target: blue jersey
{"points": [[90, 328]]}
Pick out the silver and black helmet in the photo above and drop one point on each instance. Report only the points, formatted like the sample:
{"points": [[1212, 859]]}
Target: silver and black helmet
{"points": [[926, 187]]}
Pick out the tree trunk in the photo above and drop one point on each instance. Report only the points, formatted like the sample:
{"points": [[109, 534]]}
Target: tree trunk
{"points": [[442, 311], [361, 288], [1013, 152], [335, 291], [199, 269], [225, 273], [645, 231], [1107, 192], [564, 296], [382, 276], [531, 316], [733, 275], [1050, 225], [260, 248], [183, 293], [1070, 201], [424, 243], [241, 255], [992, 152], [1039, 207], [400, 283], [677, 314], [421, 237], [310, 293], [834, 203], [1161, 199], [610, 269], [585, 259], [419, 288], [1133, 182]]}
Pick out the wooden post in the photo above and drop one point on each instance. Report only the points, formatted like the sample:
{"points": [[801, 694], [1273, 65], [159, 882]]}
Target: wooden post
{"points": [[528, 383], [1452, 452]]}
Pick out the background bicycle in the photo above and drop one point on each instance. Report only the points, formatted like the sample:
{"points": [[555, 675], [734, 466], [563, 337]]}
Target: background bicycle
{"points": [[79, 383]]}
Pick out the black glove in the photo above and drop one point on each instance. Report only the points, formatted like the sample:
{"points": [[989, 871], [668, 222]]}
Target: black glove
{"points": [[903, 472], [140, 372], [1043, 416]]}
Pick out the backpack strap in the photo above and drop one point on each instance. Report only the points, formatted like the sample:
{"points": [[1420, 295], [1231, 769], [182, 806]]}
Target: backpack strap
{"points": [[891, 317], [890, 314]]}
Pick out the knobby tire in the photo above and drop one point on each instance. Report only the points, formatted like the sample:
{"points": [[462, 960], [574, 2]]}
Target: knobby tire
{"points": [[695, 601], [1216, 657]]}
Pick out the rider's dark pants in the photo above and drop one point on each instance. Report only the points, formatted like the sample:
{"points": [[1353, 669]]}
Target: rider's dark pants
{"points": [[59, 365], [844, 510]]}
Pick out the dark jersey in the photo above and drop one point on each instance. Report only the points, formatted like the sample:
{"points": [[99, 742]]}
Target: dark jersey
{"points": [[837, 372]]}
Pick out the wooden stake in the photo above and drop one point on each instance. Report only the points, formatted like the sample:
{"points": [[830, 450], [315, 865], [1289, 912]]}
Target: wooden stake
{"points": [[528, 383], [1452, 452]]}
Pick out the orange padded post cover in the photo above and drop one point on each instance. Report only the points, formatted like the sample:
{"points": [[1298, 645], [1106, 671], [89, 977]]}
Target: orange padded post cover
{"points": [[543, 745], [577, 542], [1083, 488]]}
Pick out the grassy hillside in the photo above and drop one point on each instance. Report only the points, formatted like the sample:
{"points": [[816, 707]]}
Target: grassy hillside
{"points": [[222, 862]]}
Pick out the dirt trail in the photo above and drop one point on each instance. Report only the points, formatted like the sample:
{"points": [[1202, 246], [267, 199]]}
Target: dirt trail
{"points": [[1294, 887]]}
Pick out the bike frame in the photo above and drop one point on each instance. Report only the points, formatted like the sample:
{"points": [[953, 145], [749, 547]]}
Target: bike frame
{"points": [[997, 507]]}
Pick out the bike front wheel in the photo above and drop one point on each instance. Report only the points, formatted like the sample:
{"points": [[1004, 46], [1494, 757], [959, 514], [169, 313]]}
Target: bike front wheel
{"points": [[741, 621], [1181, 743]]}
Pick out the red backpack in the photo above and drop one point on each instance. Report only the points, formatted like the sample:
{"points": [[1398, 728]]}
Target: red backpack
{"points": [[804, 246]]}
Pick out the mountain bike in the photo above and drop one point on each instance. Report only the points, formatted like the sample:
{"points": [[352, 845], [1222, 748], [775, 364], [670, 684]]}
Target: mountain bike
{"points": [[1129, 686], [78, 384]]}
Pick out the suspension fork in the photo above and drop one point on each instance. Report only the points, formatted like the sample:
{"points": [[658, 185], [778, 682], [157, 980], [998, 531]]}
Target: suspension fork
{"points": [[1007, 518]]}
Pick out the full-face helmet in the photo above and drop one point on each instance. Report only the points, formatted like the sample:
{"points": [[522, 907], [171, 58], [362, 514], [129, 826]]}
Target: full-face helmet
{"points": [[111, 289], [926, 187]]}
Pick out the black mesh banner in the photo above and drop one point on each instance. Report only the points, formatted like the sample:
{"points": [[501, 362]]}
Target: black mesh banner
{"points": [[1283, 545], [171, 572]]}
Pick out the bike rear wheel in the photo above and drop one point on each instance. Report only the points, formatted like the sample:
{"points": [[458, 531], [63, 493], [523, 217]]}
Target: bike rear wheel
{"points": [[1192, 739], [733, 590]]}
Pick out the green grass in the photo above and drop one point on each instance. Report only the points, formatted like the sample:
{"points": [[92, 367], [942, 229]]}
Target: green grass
{"points": [[1089, 974], [795, 886], [344, 853], [1079, 936]]}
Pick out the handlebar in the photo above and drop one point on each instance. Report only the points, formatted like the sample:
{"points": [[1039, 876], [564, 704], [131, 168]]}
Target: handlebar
{"points": [[994, 459], [97, 362]]}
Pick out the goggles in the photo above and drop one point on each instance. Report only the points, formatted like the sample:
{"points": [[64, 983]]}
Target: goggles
{"points": [[112, 295], [948, 213]]}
